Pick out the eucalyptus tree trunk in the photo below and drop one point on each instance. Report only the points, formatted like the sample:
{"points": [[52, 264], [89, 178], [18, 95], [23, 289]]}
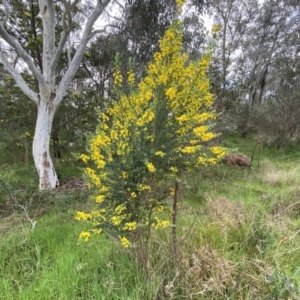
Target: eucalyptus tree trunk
{"points": [[41, 148], [50, 94]]}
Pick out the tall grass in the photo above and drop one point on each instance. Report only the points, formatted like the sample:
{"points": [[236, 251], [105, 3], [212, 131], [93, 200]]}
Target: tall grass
{"points": [[238, 238]]}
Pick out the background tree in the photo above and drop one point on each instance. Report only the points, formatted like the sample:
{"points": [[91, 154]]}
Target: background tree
{"points": [[16, 119], [230, 21], [277, 116], [254, 37], [136, 37]]}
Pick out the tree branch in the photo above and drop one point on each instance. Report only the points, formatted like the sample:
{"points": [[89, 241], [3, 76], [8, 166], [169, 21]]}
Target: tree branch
{"points": [[94, 32], [19, 79], [114, 17], [23, 54], [120, 5], [47, 13], [87, 35], [67, 29]]}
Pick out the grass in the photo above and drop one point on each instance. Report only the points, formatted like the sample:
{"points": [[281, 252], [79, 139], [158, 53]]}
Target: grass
{"points": [[47, 262], [238, 238]]}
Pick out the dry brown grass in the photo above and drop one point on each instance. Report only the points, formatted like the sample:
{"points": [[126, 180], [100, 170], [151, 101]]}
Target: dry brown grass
{"points": [[13, 221], [276, 177], [287, 204], [222, 208], [205, 272]]}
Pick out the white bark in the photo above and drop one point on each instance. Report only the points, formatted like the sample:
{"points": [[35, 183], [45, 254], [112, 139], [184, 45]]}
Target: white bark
{"points": [[22, 53], [50, 94], [18, 79], [40, 149]]}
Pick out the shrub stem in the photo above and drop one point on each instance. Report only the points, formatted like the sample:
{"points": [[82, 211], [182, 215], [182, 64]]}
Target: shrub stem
{"points": [[174, 217]]}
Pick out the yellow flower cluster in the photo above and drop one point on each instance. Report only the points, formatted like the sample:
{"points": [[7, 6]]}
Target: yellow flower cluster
{"points": [[218, 151], [130, 226], [160, 153], [81, 216], [84, 158], [160, 223], [100, 198], [130, 78], [147, 117], [124, 241], [118, 78], [119, 209], [116, 220], [85, 235], [171, 93], [150, 167]]}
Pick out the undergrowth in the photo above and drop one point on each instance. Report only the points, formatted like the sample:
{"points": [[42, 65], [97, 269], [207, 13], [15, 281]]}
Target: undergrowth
{"points": [[238, 238]]}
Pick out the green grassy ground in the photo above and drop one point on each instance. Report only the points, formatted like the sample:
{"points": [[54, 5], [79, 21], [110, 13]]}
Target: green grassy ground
{"points": [[238, 238]]}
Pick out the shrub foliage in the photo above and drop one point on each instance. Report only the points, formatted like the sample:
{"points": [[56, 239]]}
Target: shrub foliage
{"points": [[146, 138]]}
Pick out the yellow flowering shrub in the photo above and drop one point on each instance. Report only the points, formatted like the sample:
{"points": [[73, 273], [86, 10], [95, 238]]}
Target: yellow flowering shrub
{"points": [[146, 137]]}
